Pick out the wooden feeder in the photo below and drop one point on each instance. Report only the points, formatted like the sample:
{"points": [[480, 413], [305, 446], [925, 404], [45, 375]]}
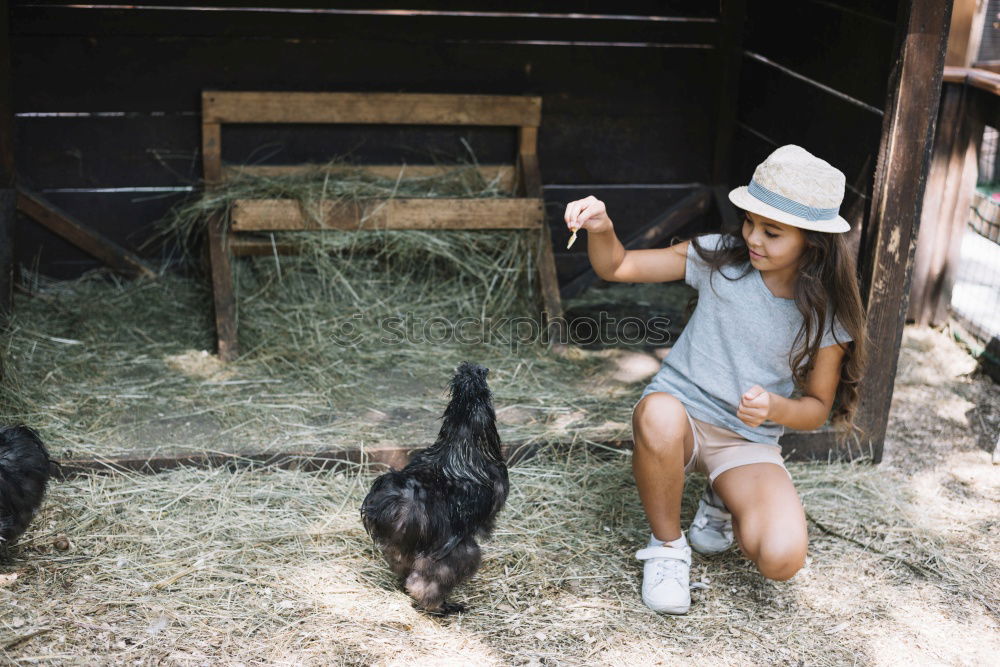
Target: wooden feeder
{"points": [[522, 177]]}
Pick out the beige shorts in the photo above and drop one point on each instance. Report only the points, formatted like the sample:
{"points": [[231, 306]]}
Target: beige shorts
{"points": [[718, 449]]}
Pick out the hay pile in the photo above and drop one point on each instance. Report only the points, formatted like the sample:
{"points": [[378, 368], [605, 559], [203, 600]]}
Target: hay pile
{"points": [[313, 186], [348, 344], [198, 566]]}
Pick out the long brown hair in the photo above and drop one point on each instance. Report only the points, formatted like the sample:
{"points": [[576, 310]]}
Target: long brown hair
{"points": [[826, 290]]}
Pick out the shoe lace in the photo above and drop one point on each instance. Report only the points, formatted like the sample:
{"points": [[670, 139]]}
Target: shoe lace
{"points": [[665, 566]]}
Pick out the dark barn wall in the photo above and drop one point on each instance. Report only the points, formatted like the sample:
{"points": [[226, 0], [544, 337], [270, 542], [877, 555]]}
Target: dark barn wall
{"points": [[815, 74], [107, 100]]}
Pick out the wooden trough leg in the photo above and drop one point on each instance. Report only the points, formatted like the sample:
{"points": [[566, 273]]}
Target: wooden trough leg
{"points": [[547, 279], [222, 288]]}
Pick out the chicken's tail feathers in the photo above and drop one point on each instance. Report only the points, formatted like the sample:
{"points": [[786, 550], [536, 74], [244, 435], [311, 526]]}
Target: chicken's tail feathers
{"points": [[395, 511]]}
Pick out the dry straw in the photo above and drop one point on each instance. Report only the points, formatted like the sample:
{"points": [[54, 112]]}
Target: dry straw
{"points": [[274, 566], [349, 342]]}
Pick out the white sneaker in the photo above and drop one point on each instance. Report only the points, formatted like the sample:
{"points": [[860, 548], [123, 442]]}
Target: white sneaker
{"points": [[711, 531], [666, 577]]}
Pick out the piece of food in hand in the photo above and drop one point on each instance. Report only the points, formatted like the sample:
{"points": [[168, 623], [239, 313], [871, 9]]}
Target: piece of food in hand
{"points": [[572, 239]]}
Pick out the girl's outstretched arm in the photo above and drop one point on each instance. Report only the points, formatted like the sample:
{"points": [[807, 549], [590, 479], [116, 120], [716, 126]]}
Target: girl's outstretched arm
{"points": [[608, 256], [802, 414]]}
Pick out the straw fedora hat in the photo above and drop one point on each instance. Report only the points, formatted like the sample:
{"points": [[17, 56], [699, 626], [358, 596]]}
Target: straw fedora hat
{"points": [[797, 188]]}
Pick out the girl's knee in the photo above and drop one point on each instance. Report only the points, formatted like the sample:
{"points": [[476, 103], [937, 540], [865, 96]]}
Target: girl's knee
{"points": [[781, 559], [659, 420], [778, 548]]}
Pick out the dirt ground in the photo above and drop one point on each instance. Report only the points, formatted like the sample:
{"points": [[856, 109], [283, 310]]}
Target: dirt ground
{"points": [[216, 566]]}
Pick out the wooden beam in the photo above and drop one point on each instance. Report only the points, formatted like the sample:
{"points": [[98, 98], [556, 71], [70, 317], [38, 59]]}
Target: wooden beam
{"points": [[80, 235], [966, 32], [730, 60], [223, 294], [951, 184], [211, 153], [531, 181], [887, 244], [656, 232], [971, 76], [804, 446], [505, 175], [370, 108], [255, 215]]}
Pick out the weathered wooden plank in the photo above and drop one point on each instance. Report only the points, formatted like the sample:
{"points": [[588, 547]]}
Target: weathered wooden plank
{"points": [[730, 58], [844, 50], [888, 242], [223, 295], [690, 8], [951, 182], [80, 235], [8, 207], [424, 213], [548, 282], [376, 108], [796, 446], [503, 174], [374, 21], [256, 247], [934, 231], [211, 153], [165, 150], [656, 232], [786, 110]]}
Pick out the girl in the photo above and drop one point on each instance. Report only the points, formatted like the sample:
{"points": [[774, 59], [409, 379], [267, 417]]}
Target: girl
{"points": [[768, 346]]}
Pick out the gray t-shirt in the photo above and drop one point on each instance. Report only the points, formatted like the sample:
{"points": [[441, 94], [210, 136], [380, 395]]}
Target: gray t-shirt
{"points": [[739, 335]]}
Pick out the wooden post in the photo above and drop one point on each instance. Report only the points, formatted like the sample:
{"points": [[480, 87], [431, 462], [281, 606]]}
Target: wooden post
{"points": [[8, 198], [532, 180], [220, 262], [887, 243]]}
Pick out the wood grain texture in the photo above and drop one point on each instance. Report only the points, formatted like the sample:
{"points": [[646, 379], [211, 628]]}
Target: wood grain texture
{"points": [[804, 446], [503, 174], [948, 196], [887, 244], [211, 153], [250, 215], [374, 108], [223, 295]]}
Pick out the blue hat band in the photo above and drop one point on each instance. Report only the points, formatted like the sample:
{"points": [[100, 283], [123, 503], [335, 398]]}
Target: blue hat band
{"points": [[787, 205]]}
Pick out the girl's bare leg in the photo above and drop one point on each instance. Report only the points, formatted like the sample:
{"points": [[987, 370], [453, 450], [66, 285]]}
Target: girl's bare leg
{"points": [[663, 445], [769, 523]]}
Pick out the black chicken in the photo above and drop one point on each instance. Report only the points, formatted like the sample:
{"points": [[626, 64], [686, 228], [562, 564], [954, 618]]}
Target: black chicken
{"points": [[425, 517], [24, 474]]}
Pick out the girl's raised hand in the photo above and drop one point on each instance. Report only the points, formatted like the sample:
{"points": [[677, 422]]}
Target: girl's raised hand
{"points": [[755, 406], [588, 213]]}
